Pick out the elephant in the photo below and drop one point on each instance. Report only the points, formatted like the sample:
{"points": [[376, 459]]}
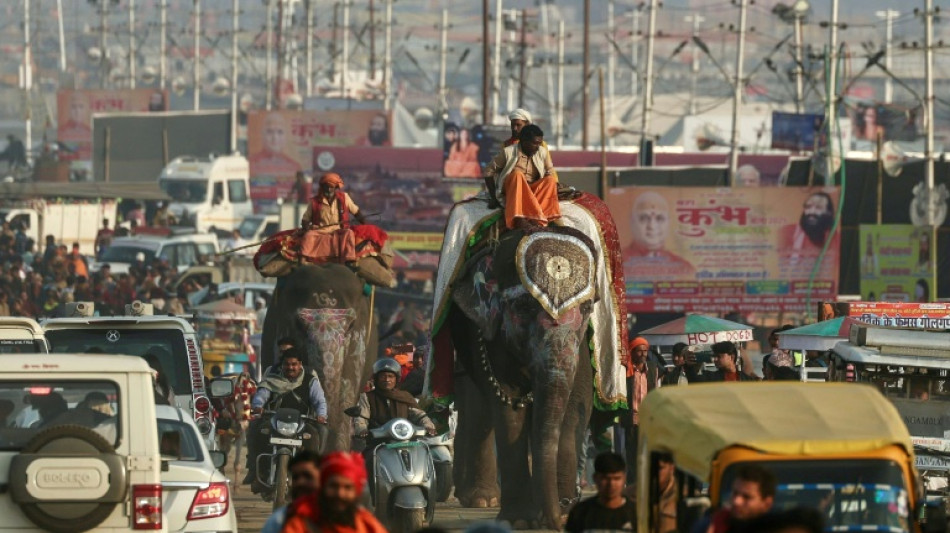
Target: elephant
{"points": [[518, 320], [324, 308]]}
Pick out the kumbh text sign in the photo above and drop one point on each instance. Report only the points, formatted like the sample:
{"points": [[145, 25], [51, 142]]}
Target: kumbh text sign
{"points": [[750, 249], [739, 335]]}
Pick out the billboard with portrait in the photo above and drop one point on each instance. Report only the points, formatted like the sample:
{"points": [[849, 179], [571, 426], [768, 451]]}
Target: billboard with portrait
{"points": [[467, 151], [75, 109], [726, 249], [895, 263]]}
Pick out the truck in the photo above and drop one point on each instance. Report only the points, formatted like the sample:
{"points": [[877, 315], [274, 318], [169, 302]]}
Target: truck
{"points": [[210, 193], [67, 221]]}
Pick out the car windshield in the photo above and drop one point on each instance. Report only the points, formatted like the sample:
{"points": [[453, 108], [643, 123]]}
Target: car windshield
{"points": [[126, 254], [185, 191], [249, 226], [190, 450], [27, 407], [865, 495], [161, 348]]}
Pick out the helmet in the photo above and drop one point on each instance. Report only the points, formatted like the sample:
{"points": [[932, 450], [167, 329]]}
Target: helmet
{"points": [[387, 365]]}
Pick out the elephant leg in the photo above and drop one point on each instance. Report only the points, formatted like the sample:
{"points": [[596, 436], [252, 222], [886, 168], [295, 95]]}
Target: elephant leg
{"points": [[574, 427], [511, 437], [475, 471]]}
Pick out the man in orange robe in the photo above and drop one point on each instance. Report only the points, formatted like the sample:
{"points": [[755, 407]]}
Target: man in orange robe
{"points": [[523, 179]]}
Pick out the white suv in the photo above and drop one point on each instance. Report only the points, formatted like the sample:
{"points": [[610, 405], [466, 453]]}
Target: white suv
{"points": [[21, 335], [180, 251], [79, 447]]}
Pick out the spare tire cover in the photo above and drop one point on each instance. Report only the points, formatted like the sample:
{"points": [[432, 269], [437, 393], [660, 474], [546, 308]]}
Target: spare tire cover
{"points": [[62, 513]]}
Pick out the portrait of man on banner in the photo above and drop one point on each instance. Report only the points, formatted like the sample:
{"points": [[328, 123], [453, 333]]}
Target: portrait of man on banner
{"points": [[650, 224]]}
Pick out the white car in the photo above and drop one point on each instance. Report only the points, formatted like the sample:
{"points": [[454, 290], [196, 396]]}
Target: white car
{"points": [[249, 291], [195, 495], [180, 251]]}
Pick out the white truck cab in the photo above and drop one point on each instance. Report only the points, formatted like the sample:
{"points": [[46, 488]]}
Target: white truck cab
{"points": [[212, 192], [21, 335], [80, 449]]}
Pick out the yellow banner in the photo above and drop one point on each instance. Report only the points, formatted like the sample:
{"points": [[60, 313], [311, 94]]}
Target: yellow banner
{"points": [[406, 240]]}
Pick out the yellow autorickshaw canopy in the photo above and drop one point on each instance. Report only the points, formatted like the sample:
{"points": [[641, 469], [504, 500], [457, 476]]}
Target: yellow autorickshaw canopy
{"points": [[696, 422]]}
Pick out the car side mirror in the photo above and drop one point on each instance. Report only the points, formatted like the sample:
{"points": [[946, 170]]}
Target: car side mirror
{"points": [[170, 445], [218, 458], [221, 388]]}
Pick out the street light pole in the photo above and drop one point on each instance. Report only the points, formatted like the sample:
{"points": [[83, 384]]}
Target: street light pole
{"points": [[888, 15], [831, 111], [235, 21], [131, 44], [929, 140], [694, 68], [799, 70], [163, 39], [648, 78], [196, 74], [737, 94]]}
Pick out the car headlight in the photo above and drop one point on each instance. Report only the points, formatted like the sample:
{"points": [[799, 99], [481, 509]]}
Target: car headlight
{"points": [[401, 430], [287, 429]]}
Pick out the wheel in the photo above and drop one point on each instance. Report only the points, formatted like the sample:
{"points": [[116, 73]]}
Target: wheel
{"points": [[408, 520], [443, 481], [281, 481]]}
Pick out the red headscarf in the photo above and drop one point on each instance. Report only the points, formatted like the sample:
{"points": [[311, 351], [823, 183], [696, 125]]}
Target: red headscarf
{"points": [[331, 179], [346, 464]]}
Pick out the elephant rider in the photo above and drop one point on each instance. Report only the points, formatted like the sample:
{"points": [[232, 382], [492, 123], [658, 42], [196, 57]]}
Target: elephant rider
{"points": [[384, 403], [325, 234], [294, 386], [522, 178]]}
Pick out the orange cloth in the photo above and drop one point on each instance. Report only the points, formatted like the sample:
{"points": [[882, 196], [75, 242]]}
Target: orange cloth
{"points": [[320, 247], [365, 523], [331, 179], [329, 219], [533, 200]]}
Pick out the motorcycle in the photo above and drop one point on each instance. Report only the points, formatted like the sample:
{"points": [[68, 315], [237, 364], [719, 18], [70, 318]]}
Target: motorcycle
{"points": [[288, 429], [402, 475]]}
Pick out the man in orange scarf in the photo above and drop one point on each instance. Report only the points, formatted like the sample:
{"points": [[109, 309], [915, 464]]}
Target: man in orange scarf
{"points": [[335, 508]]}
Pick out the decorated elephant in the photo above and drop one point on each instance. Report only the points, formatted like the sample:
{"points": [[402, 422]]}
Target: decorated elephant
{"points": [[533, 319], [325, 309]]}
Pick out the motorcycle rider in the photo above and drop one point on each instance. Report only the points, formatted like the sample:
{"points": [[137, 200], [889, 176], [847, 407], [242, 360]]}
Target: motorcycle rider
{"points": [[291, 385]]}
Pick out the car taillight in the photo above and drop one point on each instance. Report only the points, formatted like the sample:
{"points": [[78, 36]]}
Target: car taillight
{"points": [[202, 405], [210, 502], [147, 507]]}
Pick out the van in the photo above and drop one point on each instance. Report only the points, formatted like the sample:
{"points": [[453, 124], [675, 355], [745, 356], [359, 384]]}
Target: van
{"points": [[170, 343], [79, 449], [179, 251], [208, 193], [21, 335], [842, 449]]}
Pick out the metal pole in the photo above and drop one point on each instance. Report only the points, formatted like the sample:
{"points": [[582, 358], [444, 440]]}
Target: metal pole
{"points": [[611, 54], [694, 68], [235, 26], [496, 76], [548, 69], [603, 134], [388, 71], [269, 56], [345, 61], [737, 95], [523, 47], [196, 74], [372, 40], [103, 60], [799, 74], [888, 15], [584, 74], [831, 111], [62, 36], [929, 141], [443, 54], [648, 75], [163, 38], [560, 83], [28, 81], [635, 51], [281, 58], [309, 84], [486, 66], [131, 44]]}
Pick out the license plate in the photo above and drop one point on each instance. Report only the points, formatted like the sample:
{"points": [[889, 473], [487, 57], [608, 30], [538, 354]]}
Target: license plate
{"points": [[286, 442]]}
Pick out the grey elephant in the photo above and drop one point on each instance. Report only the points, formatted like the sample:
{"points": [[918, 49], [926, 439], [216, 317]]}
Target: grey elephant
{"points": [[518, 318], [325, 308]]}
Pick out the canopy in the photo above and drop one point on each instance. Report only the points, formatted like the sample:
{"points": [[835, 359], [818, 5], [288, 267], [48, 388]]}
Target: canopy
{"points": [[225, 309], [695, 423], [819, 336], [697, 330]]}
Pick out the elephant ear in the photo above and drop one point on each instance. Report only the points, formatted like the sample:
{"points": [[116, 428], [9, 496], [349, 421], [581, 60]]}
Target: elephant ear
{"points": [[557, 269], [476, 294]]}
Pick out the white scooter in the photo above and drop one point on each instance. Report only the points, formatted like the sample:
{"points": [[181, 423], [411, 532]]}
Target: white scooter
{"points": [[442, 449]]}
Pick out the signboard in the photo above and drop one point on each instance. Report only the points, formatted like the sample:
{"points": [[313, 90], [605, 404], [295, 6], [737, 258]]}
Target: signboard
{"points": [[899, 314], [280, 143], [404, 240], [726, 249], [895, 263], [467, 151], [75, 109], [793, 131]]}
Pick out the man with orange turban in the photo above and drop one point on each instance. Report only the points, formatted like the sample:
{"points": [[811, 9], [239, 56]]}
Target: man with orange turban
{"points": [[643, 375], [335, 508], [330, 209]]}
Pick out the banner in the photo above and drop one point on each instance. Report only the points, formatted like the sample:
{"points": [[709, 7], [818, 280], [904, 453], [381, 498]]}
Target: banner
{"points": [[75, 108], [898, 123], [404, 240], [897, 314], [792, 131], [467, 151], [280, 143], [895, 263], [726, 249]]}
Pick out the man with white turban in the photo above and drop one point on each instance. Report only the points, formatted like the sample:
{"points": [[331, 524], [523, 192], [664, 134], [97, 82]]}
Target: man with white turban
{"points": [[519, 118]]}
